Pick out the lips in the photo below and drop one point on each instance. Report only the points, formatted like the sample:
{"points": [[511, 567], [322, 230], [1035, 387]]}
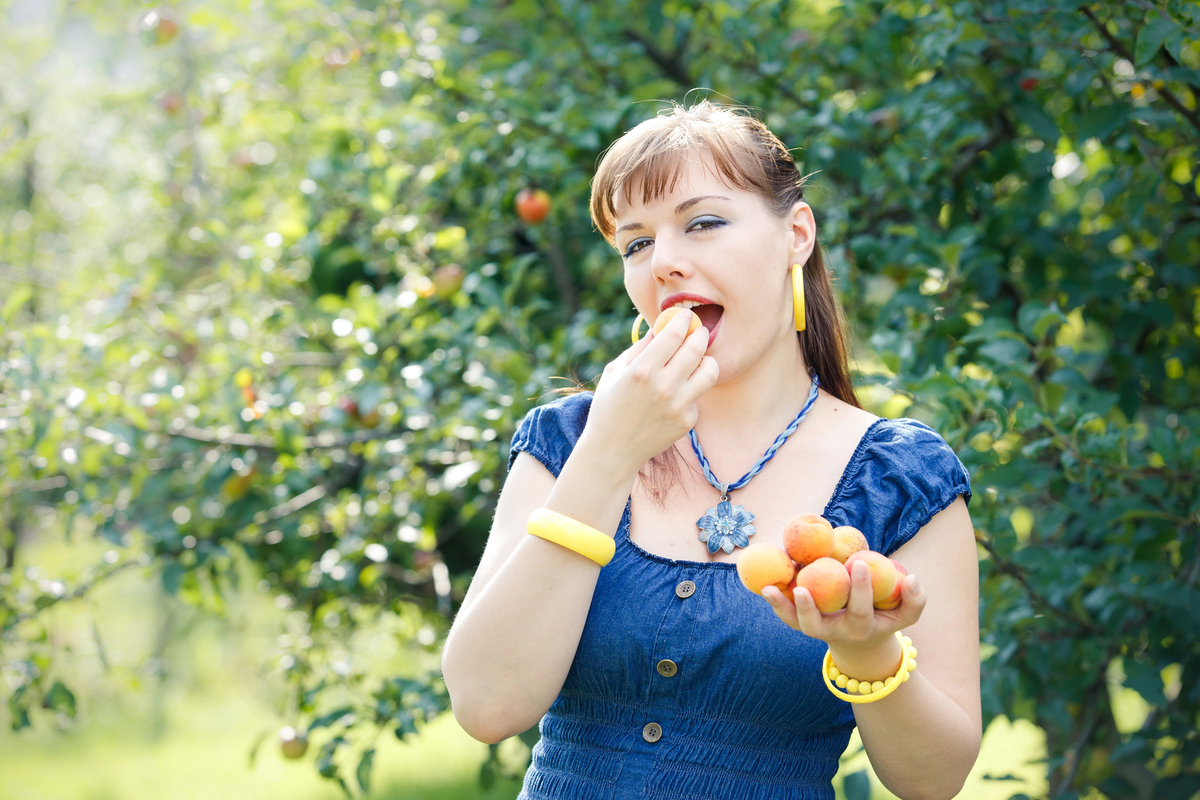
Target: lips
{"points": [[709, 312]]}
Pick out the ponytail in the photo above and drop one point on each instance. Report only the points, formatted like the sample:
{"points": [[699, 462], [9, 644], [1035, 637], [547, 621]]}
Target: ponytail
{"points": [[826, 334]]}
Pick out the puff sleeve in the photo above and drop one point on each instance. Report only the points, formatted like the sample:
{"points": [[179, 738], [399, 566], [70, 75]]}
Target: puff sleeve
{"points": [[901, 475], [549, 432]]}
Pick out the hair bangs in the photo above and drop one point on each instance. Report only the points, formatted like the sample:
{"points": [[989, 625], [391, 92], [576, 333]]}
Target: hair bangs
{"points": [[654, 154]]}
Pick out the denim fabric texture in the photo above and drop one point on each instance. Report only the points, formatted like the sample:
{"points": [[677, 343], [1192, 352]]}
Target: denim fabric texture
{"points": [[746, 715]]}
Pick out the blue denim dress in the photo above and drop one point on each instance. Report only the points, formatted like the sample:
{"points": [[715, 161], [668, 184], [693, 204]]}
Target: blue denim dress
{"points": [[685, 685]]}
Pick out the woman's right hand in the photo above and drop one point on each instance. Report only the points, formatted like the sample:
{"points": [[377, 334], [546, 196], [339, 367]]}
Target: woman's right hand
{"points": [[646, 398]]}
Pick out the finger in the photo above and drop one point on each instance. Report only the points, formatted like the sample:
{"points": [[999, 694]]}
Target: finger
{"points": [[634, 350], [782, 607], [811, 620], [912, 600], [683, 362], [860, 609], [704, 376], [666, 342]]}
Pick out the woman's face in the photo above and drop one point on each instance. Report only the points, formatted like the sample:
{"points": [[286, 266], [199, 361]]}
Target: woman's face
{"points": [[722, 251]]}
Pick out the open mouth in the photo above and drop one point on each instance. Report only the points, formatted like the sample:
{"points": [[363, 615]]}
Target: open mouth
{"points": [[710, 314]]}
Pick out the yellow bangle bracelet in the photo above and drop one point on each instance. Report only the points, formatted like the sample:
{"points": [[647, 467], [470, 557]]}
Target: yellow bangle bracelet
{"points": [[572, 534], [868, 691]]}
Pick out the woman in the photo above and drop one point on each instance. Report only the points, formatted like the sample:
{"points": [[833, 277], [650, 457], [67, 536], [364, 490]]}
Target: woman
{"points": [[659, 674]]}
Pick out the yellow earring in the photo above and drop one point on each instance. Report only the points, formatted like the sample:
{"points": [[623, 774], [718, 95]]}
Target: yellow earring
{"points": [[637, 324], [798, 295]]}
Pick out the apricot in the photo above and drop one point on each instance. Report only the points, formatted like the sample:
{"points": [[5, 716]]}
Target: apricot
{"points": [[893, 599], [828, 582], [883, 573], [847, 540], [669, 314], [808, 537], [763, 565]]}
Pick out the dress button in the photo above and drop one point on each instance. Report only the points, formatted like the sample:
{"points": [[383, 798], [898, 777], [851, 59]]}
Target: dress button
{"points": [[685, 590], [667, 668], [652, 732]]}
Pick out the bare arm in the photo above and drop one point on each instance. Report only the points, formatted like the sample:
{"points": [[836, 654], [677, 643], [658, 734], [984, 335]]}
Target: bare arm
{"points": [[923, 738], [508, 654], [943, 694], [512, 644]]}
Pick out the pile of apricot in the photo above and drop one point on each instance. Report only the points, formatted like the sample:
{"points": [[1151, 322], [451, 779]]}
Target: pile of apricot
{"points": [[820, 557]]}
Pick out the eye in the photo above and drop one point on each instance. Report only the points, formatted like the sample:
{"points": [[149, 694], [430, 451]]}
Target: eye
{"points": [[636, 245], [707, 223]]}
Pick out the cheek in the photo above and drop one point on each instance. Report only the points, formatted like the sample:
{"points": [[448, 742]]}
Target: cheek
{"points": [[640, 290]]}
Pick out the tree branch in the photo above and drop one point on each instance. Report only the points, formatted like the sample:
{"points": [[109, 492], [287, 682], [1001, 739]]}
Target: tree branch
{"points": [[1071, 757], [1117, 47], [79, 591], [1002, 128], [672, 65], [268, 445], [1007, 568]]}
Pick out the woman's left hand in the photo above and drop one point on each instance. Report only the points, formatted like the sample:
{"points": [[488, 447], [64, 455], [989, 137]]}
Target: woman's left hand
{"points": [[860, 635]]}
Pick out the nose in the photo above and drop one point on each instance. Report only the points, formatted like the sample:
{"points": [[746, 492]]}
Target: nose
{"points": [[670, 262]]}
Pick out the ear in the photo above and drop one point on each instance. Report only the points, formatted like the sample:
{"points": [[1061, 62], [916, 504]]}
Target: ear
{"points": [[803, 230]]}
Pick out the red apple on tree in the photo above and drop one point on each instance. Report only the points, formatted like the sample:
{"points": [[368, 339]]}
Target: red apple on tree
{"points": [[293, 743], [165, 30], [349, 407], [171, 102], [533, 205], [447, 280]]}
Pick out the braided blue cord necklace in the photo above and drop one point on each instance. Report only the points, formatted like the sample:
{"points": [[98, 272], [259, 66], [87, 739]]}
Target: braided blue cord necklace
{"points": [[728, 526]]}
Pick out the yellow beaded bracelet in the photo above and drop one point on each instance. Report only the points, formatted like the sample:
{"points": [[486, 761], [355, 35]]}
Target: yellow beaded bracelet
{"points": [[572, 534], [869, 691]]}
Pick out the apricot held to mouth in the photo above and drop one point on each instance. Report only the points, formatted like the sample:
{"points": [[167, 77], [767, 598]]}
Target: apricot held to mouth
{"points": [[668, 315]]}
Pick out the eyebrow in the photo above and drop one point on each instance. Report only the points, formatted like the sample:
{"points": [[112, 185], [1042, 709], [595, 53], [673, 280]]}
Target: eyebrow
{"points": [[679, 209]]}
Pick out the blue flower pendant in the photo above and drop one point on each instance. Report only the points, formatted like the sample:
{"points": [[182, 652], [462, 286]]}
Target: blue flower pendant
{"points": [[725, 527]]}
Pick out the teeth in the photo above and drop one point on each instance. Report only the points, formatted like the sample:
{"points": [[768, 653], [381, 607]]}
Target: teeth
{"points": [[687, 304]]}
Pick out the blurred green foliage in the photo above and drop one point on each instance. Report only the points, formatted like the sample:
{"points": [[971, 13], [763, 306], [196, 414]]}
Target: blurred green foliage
{"points": [[266, 304]]}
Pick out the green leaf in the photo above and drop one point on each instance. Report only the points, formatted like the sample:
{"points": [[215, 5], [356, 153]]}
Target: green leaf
{"points": [[1101, 121], [325, 720], [1042, 126], [1177, 787], [1052, 396], [1035, 318], [19, 297], [531, 736], [487, 775], [60, 699], [363, 773], [325, 763], [252, 756], [1004, 351], [1144, 679], [18, 708], [1151, 37], [172, 577], [857, 786], [1174, 42]]}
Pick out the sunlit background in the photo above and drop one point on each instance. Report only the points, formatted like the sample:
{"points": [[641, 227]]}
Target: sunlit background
{"points": [[279, 279]]}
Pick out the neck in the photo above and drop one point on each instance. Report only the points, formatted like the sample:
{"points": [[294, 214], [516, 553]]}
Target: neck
{"points": [[756, 404]]}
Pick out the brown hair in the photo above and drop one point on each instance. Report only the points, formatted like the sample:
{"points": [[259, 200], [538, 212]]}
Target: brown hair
{"points": [[747, 156]]}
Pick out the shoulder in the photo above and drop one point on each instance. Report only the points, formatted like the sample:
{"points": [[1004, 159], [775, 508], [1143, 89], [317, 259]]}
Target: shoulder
{"points": [[902, 474], [896, 434], [549, 432], [911, 447]]}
